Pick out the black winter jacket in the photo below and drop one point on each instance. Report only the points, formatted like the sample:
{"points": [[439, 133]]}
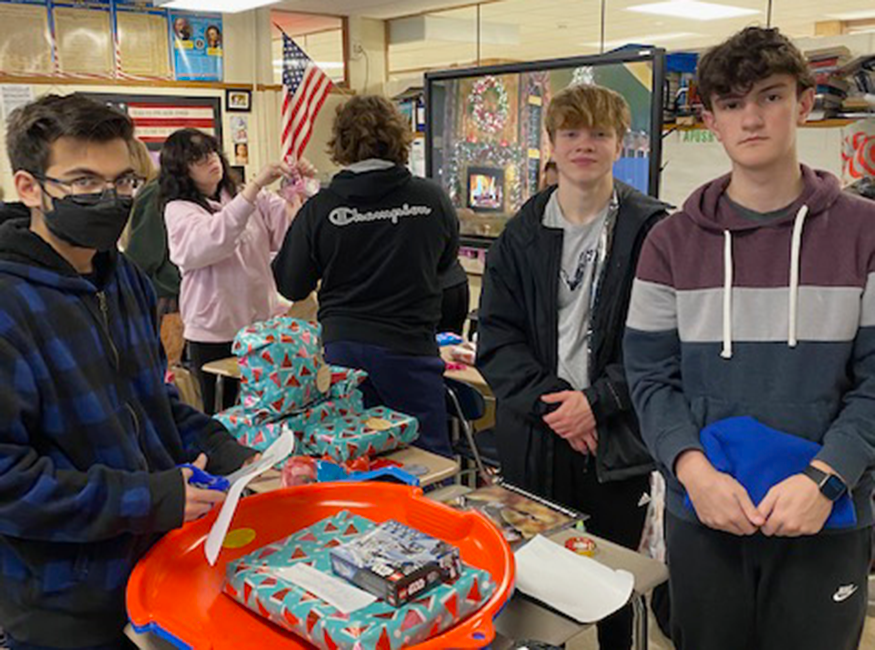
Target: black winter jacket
{"points": [[518, 342]]}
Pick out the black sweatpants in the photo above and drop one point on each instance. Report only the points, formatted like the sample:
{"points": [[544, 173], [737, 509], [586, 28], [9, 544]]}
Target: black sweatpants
{"points": [[766, 593], [201, 353], [616, 513]]}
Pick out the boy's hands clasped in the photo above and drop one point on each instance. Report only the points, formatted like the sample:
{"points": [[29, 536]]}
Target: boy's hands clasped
{"points": [[792, 508], [573, 420]]}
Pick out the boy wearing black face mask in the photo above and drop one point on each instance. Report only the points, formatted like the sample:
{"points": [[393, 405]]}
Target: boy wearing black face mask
{"points": [[90, 436]]}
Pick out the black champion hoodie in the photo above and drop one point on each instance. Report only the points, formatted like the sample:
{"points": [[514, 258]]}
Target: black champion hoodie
{"points": [[377, 240]]}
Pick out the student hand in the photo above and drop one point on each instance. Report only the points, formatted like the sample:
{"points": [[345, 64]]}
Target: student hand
{"points": [[720, 501], [270, 173], [198, 502], [586, 443], [794, 507], [252, 460], [306, 168], [574, 417]]}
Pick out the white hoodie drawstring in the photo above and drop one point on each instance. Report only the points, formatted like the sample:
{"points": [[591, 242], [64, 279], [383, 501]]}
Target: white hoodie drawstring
{"points": [[795, 251], [727, 295], [795, 248]]}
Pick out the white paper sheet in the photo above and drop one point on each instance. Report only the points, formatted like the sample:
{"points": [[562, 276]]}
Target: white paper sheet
{"points": [[338, 593], [573, 584], [276, 453]]}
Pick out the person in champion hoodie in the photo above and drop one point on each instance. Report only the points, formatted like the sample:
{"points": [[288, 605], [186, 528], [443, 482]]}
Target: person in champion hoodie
{"points": [[757, 301], [378, 239], [221, 239], [554, 300], [90, 435]]}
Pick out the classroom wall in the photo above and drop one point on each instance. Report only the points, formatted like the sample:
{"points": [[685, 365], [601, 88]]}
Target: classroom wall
{"points": [[247, 62], [692, 158]]}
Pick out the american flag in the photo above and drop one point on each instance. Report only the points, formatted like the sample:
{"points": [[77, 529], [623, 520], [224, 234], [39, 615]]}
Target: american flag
{"points": [[305, 88]]}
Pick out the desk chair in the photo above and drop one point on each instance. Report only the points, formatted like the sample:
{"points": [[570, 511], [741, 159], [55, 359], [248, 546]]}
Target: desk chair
{"points": [[466, 405]]}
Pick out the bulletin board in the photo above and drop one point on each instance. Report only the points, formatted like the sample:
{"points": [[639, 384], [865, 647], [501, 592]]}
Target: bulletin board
{"points": [[109, 39], [143, 42], [25, 38], [155, 117], [83, 38]]}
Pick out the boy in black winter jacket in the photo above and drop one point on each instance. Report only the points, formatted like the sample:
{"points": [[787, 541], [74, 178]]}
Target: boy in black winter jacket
{"points": [[90, 435], [378, 239], [554, 301]]}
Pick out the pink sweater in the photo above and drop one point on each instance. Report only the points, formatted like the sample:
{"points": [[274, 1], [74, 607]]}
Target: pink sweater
{"points": [[224, 258]]}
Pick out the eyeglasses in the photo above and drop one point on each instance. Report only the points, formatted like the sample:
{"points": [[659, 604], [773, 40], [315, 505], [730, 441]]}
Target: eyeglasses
{"points": [[124, 185], [205, 159]]}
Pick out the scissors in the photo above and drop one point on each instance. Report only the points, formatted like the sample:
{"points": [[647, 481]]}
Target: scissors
{"points": [[204, 480]]}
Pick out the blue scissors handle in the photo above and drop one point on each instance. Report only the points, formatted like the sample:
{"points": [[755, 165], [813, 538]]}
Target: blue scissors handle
{"points": [[204, 480]]}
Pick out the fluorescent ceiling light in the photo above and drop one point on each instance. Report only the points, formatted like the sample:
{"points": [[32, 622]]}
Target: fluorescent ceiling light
{"points": [[223, 6], [692, 10], [853, 15], [650, 39]]}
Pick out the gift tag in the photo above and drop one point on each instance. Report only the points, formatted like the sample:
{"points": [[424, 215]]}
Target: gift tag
{"points": [[323, 376], [378, 424]]}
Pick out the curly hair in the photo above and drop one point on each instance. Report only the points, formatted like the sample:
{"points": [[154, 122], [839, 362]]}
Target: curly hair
{"points": [[369, 126], [749, 56], [588, 107], [180, 150]]}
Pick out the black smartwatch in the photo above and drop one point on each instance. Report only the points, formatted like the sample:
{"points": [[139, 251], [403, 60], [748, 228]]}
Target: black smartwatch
{"points": [[831, 486]]}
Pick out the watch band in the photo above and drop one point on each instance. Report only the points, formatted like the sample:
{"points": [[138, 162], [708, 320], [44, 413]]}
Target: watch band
{"points": [[830, 485]]}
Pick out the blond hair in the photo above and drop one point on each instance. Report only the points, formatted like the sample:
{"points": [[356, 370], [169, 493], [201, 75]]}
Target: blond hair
{"points": [[142, 161], [587, 107]]}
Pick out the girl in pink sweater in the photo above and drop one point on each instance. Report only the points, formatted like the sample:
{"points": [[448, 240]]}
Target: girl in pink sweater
{"points": [[221, 237]]}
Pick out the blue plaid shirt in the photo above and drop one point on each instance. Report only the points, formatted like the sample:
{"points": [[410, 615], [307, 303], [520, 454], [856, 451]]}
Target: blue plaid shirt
{"points": [[90, 436]]}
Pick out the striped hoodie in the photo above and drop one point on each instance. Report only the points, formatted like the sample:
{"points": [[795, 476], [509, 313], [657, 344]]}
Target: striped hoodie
{"points": [[774, 320]]}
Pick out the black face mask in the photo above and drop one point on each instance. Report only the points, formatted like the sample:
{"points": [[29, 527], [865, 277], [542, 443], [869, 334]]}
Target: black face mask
{"points": [[93, 221]]}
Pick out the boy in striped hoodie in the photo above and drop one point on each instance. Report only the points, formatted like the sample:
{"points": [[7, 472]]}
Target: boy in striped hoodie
{"points": [[758, 300]]}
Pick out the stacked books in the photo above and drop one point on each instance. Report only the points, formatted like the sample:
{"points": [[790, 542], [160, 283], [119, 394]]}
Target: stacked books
{"points": [[845, 85], [832, 87]]}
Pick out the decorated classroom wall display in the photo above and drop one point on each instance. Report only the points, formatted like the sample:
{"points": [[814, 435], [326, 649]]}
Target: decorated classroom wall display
{"points": [[143, 41], [197, 45], [25, 38], [486, 140], [105, 39], [155, 117], [84, 38]]}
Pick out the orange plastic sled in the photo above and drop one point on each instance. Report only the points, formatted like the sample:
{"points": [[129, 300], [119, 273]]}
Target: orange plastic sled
{"points": [[175, 594]]}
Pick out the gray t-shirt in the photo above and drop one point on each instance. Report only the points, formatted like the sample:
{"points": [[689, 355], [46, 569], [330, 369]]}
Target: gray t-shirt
{"points": [[578, 276], [753, 215]]}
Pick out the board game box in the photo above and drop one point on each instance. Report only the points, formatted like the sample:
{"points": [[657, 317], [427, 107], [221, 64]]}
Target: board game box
{"points": [[395, 562]]}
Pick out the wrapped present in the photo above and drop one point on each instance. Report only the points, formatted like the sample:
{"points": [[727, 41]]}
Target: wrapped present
{"points": [[279, 363], [285, 386], [259, 429], [257, 581], [252, 428], [347, 437]]}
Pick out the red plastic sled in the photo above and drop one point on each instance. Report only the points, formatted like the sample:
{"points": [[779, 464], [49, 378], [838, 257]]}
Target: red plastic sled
{"points": [[175, 594]]}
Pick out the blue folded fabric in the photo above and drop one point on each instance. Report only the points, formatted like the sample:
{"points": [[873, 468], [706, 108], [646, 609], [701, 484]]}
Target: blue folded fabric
{"points": [[760, 457]]}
